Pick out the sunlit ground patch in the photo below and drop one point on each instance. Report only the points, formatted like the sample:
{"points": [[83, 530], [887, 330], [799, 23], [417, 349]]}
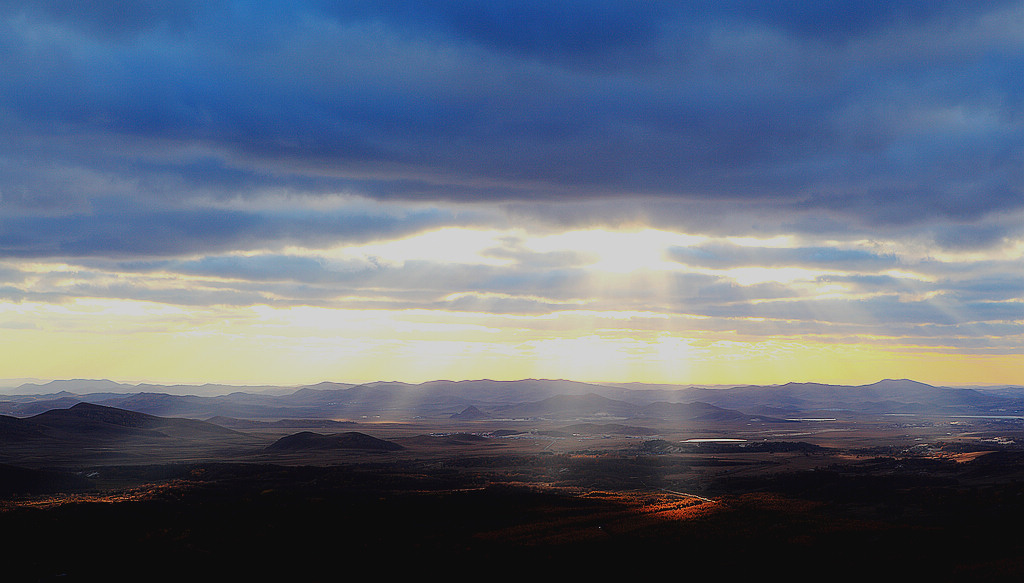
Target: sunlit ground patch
{"points": [[613, 513]]}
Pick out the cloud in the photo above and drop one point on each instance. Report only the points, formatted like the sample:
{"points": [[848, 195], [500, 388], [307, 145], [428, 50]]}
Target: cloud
{"points": [[125, 228], [244, 155], [110, 18], [971, 236], [856, 109], [725, 256]]}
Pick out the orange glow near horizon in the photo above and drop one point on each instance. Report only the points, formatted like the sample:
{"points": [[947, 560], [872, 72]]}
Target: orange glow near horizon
{"points": [[297, 346], [616, 319]]}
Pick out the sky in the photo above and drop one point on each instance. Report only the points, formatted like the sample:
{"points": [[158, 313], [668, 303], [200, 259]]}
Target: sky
{"points": [[708, 192]]}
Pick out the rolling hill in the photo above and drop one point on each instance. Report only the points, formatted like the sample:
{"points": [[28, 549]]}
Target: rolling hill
{"points": [[308, 440], [534, 398]]}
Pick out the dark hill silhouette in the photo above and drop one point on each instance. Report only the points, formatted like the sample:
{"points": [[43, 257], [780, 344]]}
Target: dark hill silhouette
{"points": [[470, 413], [101, 413], [307, 440], [96, 421], [90, 434], [99, 420], [13, 429]]}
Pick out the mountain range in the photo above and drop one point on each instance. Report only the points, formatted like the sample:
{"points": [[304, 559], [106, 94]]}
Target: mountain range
{"points": [[528, 398]]}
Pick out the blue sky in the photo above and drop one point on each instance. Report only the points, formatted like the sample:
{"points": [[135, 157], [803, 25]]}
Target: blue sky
{"points": [[679, 192]]}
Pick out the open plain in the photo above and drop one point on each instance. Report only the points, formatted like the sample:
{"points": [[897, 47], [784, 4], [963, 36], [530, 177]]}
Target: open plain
{"points": [[93, 490]]}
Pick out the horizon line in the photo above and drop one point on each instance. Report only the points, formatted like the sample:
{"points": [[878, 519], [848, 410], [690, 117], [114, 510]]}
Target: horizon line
{"points": [[18, 382]]}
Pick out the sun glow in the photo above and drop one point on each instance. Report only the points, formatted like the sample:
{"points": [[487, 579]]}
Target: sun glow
{"points": [[263, 344], [450, 245], [747, 276], [618, 251], [780, 241], [591, 304]]}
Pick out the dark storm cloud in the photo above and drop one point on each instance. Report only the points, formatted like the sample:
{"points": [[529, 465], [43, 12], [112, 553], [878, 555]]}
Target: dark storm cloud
{"points": [[123, 228], [870, 112], [968, 237]]}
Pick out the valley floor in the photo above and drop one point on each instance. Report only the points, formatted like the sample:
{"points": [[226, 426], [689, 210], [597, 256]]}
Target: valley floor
{"points": [[713, 509]]}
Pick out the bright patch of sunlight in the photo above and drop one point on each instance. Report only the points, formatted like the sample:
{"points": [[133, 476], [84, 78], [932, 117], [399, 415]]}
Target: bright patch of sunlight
{"points": [[759, 275], [618, 251], [448, 245], [779, 241]]}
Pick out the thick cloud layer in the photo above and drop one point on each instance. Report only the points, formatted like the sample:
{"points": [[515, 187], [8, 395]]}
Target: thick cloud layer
{"points": [[850, 169], [882, 111]]}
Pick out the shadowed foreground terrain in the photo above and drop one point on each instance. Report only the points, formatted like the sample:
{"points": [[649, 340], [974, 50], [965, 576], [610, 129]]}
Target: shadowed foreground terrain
{"points": [[93, 492], [227, 521]]}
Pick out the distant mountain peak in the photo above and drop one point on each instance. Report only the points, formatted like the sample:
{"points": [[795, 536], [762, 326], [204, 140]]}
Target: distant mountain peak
{"points": [[898, 383], [110, 414], [469, 414], [79, 386]]}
